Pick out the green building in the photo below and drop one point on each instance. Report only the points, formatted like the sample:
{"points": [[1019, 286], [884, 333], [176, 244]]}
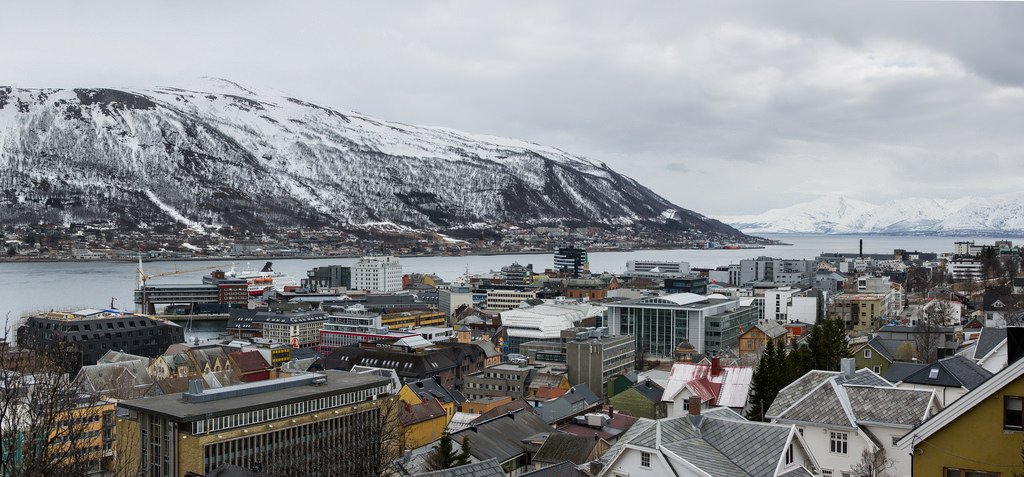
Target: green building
{"points": [[641, 400]]}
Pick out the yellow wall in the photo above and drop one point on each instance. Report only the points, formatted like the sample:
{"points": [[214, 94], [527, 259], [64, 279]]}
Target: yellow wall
{"points": [[975, 440], [423, 433], [395, 321]]}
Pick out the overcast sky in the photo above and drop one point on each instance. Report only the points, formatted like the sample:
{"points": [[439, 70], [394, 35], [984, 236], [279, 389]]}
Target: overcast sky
{"points": [[722, 109]]}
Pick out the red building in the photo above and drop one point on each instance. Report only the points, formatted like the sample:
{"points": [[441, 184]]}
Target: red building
{"points": [[250, 366]]}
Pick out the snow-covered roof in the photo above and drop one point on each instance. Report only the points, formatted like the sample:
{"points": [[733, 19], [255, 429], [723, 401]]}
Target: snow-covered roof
{"points": [[546, 320], [730, 386], [680, 299]]}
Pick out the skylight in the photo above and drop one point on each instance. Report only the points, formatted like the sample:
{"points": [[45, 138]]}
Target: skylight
{"points": [[933, 373]]}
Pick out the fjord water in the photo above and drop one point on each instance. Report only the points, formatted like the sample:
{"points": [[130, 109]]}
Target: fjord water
{"points": [[39, 286]]}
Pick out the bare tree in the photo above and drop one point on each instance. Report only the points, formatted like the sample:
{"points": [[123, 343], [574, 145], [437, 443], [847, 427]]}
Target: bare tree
{"points": [[928, 332], [49, 427], [872, 464]]}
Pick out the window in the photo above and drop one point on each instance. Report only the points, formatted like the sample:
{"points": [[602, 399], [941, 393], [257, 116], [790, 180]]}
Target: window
{"points": [[789, 455], [867, 353], [877, 369], [645, 460], [801, 431], [826, 472], [1012, 413], [838, 442]]}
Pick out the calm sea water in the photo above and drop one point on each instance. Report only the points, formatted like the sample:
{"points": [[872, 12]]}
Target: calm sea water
{"points": [[28, 287]]}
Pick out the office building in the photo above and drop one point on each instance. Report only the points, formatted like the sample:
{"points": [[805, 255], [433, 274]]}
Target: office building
{"points": [[451, 299], [300, 329], [517, 274], [94, 332], [502, 380], [298, 425], [774, 270], [693, 284], [377, 274], [500, 299], [656, 268], [966, 269], [662, 323], [593, 356], [330, 276], [545, 322], [572, 261]]}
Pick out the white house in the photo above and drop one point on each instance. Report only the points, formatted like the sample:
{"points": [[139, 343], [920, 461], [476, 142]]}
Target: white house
{"points": [[840, 414], [717, 442], [714, 384]]}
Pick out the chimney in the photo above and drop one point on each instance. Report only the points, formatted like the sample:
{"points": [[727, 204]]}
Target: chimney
{"points": [[611, 412], [716, 366], [848, 368], [1014, 344], [694, 405]]}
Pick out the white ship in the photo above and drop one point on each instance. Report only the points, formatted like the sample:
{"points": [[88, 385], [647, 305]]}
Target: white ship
{"points": [[260, 281]]}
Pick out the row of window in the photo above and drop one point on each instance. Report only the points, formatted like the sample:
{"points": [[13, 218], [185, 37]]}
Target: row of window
{"points": [[284, 411]]}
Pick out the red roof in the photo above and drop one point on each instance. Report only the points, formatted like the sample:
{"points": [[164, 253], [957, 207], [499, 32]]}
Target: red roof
{"points": [[550, 393], [248, 361]]}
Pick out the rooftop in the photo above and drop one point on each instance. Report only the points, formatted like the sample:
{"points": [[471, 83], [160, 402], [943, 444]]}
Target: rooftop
{"points": [[174, 406]]}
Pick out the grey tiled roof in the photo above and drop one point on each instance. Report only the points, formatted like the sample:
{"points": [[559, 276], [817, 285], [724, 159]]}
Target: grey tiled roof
{"points": [[989, 339], [821, 405], [955, 371], [797, 390], [867, 398], [756, 448], [888, 405], [561, 447], [487, 468], [884, 348], [705, 457], [732, 447]]}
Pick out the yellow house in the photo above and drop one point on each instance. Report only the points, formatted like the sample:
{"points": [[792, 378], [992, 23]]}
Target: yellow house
{"points": [[756, 338], [423, 422], [416, 392], [978, 435], [86, 432]]}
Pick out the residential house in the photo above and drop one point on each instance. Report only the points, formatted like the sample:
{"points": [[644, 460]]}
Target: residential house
{"points": [[716, 385], [949, 378], [414, 392], [753, 340], [990, 352], [250, 366], [423, 422], [642, 400], [485, 468], [185, 361], [876, 354], [578, 400], [978, 435], [512, 439], [116, 376], [548, 385], [841, 414], [716, 442]]}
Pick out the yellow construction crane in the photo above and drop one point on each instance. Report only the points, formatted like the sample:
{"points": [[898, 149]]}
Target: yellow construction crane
{"points": [[143, 278]]}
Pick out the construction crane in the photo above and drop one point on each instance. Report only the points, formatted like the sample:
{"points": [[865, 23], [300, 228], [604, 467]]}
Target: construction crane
{"points": [[142, 278]]}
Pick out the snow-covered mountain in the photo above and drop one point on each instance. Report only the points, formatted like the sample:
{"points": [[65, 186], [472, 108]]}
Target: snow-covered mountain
{"points": [[839, 215], [220, 154]]}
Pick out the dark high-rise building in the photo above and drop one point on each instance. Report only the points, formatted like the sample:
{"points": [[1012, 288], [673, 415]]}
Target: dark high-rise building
{"points": [[695, 284], [572, 261], [331, 276]]}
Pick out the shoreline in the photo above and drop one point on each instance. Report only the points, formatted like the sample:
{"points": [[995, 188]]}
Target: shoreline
{"points": [[5, 260]]}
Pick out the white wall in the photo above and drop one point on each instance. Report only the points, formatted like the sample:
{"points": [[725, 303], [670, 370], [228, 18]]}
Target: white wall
{"points": [[817, 439], [945, 394], [803, 308]]}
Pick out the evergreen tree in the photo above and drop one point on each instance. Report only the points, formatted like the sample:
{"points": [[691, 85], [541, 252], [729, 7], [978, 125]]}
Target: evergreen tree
{"points": [[828, 344], [463, 457], [798, 362], [763, 385], [444, 456]]}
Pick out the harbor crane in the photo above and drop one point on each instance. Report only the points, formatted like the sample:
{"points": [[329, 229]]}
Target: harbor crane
{"points": [[143, 278]]}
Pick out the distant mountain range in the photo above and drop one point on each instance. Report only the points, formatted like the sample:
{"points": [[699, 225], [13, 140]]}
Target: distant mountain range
{"points": [[1002, 214], [219, 154]]}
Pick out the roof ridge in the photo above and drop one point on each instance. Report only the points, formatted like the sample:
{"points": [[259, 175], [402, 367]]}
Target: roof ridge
{"points": [[844, 401], [808, 393]]}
